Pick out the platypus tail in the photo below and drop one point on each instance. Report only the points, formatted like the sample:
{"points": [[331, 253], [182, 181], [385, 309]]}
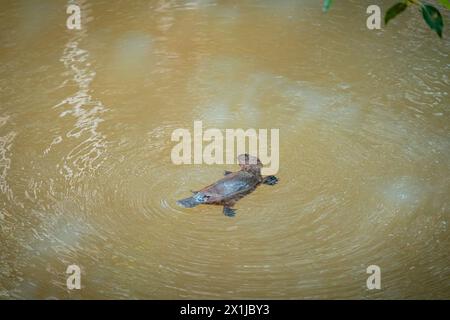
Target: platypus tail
{"points": [[188, 202]]}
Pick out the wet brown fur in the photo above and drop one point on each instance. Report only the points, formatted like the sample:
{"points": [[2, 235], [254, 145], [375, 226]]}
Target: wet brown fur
{"points": [[231, 188]]}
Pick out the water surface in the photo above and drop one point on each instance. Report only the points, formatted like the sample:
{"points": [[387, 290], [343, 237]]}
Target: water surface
{"points": [[86, 176]]}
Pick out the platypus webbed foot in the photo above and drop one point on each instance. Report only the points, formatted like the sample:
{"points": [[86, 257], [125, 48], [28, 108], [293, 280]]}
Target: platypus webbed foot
{"points": [[229, 212], [270, 180]]}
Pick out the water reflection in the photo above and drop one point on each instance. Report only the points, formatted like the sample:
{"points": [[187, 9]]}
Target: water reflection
{"points": [[86, 157], [86, 176]]}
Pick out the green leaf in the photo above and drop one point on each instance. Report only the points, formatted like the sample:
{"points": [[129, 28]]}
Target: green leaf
{"points": [[326, 5], [445, 3], [394, 11], [433, 18]]}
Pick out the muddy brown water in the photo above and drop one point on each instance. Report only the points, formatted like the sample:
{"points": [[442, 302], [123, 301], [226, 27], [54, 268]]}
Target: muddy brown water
{"points": [[86, 176]]}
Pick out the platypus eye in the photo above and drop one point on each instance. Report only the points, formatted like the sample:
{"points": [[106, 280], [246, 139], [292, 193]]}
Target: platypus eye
{"points": [[200, 197]]}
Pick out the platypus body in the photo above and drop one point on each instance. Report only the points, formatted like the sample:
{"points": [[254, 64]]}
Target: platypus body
{"points": [[234, 186]]}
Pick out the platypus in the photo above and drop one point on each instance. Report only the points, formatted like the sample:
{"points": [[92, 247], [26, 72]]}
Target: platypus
{"points": [[235, 185]]}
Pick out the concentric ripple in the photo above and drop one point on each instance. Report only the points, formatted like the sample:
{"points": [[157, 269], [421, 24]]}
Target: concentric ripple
{"points": [[86, 175]]}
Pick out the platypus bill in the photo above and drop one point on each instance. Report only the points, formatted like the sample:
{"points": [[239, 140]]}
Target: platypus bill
{"points": [[234, 186]]}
